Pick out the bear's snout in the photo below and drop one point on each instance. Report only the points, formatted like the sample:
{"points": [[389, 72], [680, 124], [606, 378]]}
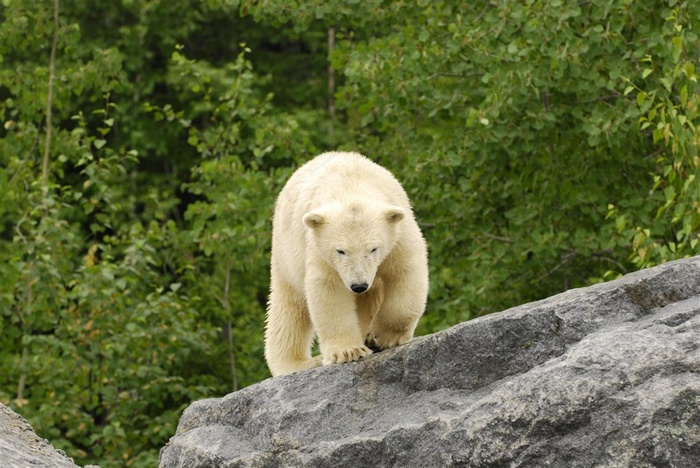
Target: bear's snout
{"points": [[359, 287]]}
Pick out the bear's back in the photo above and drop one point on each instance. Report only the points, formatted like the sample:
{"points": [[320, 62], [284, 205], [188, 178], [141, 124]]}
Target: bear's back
{"points": [[344, 176]]}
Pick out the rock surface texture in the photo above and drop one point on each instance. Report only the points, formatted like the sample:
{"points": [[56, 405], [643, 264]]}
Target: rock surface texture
{"points": [[20, 447], [602, 376]]}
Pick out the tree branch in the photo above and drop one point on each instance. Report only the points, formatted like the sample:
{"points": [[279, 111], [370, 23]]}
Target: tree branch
{"points": [[49, 103], [229, 325], [331, 81], [498, 238]]}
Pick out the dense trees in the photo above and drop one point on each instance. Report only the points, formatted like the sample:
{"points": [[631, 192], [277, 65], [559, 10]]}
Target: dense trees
{"points": [[546, 145]]}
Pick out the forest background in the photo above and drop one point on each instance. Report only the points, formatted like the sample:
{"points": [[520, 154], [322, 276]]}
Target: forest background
{"points": [[545, 144]]}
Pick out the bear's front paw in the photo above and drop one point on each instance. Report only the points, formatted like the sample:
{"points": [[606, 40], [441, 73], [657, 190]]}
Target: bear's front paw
{"points": [[387, 339], [340, 355]]}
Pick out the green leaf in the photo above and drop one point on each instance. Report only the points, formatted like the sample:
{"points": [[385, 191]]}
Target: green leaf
{"points": [[684, 96], [641, 97]]}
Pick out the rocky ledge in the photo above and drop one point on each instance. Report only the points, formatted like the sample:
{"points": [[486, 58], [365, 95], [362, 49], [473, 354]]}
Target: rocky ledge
{"points": [[607, 375], [20, 446]]}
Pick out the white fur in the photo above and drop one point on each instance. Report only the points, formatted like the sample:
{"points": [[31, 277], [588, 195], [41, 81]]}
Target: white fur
{"points": [[342, 223]]}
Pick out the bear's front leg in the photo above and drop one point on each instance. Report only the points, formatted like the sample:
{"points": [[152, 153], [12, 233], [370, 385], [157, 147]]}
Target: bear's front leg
{"points": [[399, 313], [333, 313]]}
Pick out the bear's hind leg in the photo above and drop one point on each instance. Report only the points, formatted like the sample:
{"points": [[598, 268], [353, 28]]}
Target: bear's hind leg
{"points": [[289, 332]]}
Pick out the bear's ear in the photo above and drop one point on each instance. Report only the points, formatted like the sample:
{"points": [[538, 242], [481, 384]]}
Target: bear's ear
{"points": [[395, 214], [313, 219]]}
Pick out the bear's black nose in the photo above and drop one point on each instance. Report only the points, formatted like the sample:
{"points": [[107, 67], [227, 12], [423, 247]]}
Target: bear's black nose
{"points": [[359, 287]]}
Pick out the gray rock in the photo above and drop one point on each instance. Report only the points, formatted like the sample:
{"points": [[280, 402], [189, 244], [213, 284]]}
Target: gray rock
{"points": [[20, 446], [602, 376]]}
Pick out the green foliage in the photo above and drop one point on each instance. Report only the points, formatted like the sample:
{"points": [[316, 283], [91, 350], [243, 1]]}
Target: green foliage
{"points": [[545, 145], [665, 224]]}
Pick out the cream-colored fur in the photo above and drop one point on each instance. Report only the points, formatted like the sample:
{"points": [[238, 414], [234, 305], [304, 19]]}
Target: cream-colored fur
{"points": [[349, 264]]}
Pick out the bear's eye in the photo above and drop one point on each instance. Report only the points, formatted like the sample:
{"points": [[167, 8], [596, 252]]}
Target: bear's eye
{"points": [[373, 250], [340, 251]]}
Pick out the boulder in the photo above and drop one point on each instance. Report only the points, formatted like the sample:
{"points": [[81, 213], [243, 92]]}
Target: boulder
{"points": [[607, 375], [20, 446]]}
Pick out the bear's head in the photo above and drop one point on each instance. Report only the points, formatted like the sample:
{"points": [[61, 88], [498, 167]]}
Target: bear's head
{"points": [[355, 238]]}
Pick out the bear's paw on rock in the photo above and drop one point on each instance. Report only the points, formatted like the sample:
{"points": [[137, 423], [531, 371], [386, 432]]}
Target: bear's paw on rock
{"points": [[345, 354]]}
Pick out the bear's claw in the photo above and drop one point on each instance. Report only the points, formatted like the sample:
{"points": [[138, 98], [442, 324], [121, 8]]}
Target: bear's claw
{"points": [[386, 340], [339, 356]]}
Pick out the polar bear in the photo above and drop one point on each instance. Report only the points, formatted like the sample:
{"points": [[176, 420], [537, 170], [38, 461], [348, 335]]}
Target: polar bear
{"points": [[349, 263]]}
